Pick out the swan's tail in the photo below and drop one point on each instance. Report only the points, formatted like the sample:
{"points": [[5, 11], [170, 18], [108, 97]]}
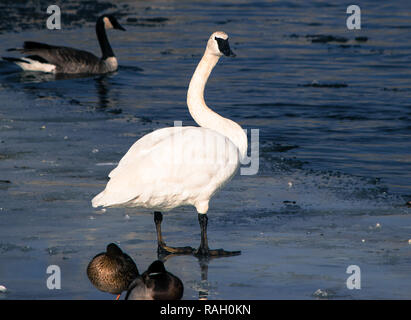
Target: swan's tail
{"points": [[98, 200], [108, 198]]}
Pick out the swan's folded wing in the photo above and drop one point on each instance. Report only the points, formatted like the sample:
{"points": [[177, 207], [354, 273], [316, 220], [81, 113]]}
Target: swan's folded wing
{"points": [[181, 167], [144, 146]]}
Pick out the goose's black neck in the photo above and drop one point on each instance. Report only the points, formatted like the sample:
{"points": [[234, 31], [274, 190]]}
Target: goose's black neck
{"points": [[103, 40]]}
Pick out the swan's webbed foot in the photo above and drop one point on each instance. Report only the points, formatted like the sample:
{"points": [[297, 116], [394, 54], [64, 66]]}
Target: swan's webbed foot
{"points": [[164, 250], [205, 252], [202, 252]]}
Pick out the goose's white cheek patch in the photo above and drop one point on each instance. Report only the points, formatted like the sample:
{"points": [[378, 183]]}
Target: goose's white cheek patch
{"points": [[107, 23], [112, 63]]}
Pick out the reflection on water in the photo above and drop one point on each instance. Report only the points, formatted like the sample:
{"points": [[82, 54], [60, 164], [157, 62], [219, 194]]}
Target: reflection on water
{"points": [[39, 77], [102, 87], [202, 284]]}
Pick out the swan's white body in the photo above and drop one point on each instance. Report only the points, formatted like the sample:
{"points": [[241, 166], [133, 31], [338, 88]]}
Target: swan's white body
{"points": [[177, 166]]}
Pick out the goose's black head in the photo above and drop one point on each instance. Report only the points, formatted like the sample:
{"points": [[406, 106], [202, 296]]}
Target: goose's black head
{"points": [[218, 44], [110, 22]]}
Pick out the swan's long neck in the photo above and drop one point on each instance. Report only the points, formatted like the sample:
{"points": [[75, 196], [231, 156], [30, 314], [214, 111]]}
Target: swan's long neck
{"points": [[203, 115], [103, 40]]}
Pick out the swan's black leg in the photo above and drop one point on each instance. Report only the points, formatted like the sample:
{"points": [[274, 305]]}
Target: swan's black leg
{"points": [[162, 247], [203, 250]]}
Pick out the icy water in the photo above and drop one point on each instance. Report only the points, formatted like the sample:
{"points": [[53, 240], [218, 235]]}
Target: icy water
{"points": [[333, 111]]}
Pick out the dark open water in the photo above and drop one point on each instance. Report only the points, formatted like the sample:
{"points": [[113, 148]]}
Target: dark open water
{"points": [[335, 152]]}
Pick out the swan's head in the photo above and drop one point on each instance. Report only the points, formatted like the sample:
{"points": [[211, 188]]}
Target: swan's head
{"points": [[110, 22], [218, 44]]}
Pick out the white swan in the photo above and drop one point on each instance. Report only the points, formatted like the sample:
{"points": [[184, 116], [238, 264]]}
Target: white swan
{"points": [[177, 166]]}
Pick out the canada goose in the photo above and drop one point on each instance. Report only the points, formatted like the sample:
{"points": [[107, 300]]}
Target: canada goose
{"points": [[156, 284], [112, 271], [54, 59], [177, 166]]}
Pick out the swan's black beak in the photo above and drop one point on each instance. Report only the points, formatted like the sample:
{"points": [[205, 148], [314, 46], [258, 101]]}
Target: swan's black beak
{"points": [[231, 54], [224, 47]]}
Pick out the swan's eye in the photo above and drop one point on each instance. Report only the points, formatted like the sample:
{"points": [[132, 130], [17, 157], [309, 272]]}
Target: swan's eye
{"points": [[220, 39]]}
